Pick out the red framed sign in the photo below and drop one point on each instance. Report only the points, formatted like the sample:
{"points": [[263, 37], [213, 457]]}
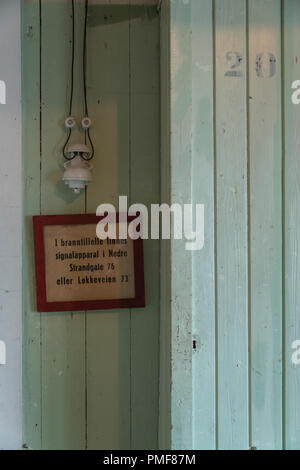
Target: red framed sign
{"points": [[76, 270]]}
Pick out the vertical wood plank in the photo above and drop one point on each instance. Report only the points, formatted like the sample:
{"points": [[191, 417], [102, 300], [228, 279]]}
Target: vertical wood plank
{"points": [[231, 191], [62, 334], [292, 223], [165, 259], [181, 170], [31, 206], [265, 223], [108, 333], [10, 227], [144, 188], [202, 175]]}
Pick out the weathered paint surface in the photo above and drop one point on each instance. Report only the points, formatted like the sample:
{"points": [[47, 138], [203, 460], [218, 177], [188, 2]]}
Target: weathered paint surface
{"points": [[165, 260], [235, 148], [10, 228], [291, 186], [91, 378]]}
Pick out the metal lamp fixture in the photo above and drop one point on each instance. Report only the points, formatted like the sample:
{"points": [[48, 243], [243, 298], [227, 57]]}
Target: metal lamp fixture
{"points": [[78, 173]]}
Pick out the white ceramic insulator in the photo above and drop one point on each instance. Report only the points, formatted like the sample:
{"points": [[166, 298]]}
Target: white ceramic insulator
{"points": [[70, 122], [86, 123]]}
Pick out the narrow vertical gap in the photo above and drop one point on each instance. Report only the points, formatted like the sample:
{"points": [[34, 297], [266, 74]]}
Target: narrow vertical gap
{"points": [[86, 381], [41, 148], [160, 201], [129, 197], [41, 104], [248, 224], [85, 351], [283, 227], [86, 356], [191, 258], [85, 313], [215, 224], [169, 108]]}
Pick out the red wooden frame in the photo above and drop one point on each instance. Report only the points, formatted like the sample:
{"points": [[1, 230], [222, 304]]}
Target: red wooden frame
{"points": [[39, 222]]}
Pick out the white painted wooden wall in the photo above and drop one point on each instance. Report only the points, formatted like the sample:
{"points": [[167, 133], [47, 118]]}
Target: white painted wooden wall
{"points": [[10, 226]]}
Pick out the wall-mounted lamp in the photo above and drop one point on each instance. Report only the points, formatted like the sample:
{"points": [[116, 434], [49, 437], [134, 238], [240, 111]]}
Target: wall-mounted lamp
{"points": [[78, 173]]}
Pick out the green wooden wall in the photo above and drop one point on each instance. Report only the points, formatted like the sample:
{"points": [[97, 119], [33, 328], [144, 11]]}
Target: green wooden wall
{"points": [[235, 148], [230, 131], [91, 378]]}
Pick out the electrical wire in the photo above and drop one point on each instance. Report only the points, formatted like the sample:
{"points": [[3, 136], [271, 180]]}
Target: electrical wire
{"points": [[72, 81], [84, 58], [92, 146], [73, 59], [84, 79], [87, 131]]}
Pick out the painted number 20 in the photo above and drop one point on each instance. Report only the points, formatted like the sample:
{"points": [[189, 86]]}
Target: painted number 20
{"points": [[235, 59]]}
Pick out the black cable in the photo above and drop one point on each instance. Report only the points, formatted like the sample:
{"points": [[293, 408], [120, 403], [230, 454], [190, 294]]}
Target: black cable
{"points": [[72, 81], [66, 143], [87, 132], [73, 59], [91, 144], [84, 59]]}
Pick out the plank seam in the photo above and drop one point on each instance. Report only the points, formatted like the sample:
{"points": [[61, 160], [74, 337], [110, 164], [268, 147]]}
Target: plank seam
{"points": [[215, 223], [283, 229], [248, 226], [129, 190], [41, 149], [85, 320]]}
